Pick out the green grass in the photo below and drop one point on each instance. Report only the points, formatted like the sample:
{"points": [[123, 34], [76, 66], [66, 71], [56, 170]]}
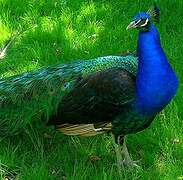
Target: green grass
{"points": [[70, 30]]}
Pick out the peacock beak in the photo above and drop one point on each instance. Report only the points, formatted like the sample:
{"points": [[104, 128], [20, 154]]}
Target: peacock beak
{"points": [[133, 25]]}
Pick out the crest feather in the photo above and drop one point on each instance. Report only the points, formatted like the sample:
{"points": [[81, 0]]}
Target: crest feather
{"points": [[154, 12]]}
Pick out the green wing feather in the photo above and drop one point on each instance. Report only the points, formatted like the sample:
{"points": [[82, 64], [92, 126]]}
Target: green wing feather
{"points": [[28, 96]]}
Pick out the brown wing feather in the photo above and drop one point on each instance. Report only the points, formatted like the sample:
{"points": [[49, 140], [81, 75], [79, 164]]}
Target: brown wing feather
{"points": [[84, 129]]}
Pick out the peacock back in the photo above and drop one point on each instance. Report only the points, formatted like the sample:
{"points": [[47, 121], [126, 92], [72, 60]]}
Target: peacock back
{"points": [[37, 94]]}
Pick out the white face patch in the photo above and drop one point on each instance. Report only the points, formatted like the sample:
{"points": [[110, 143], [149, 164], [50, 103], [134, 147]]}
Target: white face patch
{"points": [[147, 20], [137, 22]]}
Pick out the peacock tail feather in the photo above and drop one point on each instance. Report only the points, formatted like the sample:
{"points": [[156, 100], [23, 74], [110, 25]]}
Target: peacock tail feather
{"points": [[31, 95]]}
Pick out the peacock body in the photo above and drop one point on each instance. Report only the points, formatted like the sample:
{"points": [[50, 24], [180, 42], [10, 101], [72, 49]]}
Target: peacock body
{"points": [[118, 94], [38, 93]]}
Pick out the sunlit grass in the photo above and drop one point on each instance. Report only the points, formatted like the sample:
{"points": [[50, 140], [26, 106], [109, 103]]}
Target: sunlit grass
{"points": [[70, 30]]}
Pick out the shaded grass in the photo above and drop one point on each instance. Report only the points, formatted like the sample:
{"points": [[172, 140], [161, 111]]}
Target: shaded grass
{"points": [[69, 30]]}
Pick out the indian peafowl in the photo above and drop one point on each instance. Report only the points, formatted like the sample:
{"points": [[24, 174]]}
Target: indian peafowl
{"points": [[118, 94]]}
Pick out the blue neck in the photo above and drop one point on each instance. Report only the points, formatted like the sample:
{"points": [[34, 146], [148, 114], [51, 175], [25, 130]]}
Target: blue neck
{"points": [[156, 82]]}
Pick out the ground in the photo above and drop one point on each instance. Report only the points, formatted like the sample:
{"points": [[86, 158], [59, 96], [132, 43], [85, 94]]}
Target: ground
{"points": [[59, 31]]}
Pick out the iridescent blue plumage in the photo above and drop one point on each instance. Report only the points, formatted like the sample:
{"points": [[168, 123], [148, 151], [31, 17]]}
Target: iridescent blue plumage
{"points": [[156, 82], [141, 15]]}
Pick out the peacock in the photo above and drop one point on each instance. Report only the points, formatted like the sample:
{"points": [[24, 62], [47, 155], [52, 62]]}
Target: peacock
{"points": [[117, 94]]}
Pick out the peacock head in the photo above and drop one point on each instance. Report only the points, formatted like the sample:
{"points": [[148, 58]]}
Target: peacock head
{"points": [[143, 20]]}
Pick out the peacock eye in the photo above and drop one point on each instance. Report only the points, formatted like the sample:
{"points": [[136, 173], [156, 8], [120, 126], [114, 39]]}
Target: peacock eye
{"points": [[137, 21], [143, 21]]}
